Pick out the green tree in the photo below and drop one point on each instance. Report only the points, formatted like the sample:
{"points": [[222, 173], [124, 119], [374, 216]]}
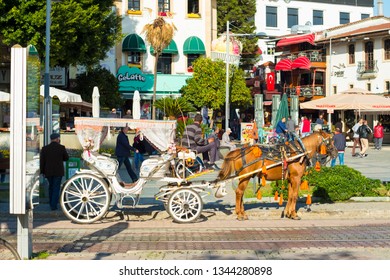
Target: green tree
{"points": [[107, 84], [240, 14], [207, 87], [159, 34], [81, 32]]}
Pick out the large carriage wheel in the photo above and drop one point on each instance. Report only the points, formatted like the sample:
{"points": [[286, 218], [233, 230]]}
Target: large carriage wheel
{"points": [[85, 198], [185, 205]]}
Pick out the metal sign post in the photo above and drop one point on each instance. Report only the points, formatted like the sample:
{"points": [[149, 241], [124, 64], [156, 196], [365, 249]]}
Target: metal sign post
{"points": [[18, 148]]}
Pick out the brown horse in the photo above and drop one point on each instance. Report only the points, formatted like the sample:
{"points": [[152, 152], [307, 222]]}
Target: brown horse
{"points": [[251, 161]]}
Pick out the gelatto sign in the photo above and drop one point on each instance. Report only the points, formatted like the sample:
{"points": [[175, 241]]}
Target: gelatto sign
{"points": [[131, 79]]}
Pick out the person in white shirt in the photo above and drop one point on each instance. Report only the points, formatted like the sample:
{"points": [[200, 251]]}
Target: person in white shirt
{"points": [[225, 142]]}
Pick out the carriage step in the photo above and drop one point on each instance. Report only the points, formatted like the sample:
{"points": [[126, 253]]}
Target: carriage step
{"points": [[127, 202]]}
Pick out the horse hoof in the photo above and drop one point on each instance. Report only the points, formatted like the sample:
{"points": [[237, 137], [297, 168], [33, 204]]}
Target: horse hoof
{"points": [[240, 218], [297, 218], [246, 217]]}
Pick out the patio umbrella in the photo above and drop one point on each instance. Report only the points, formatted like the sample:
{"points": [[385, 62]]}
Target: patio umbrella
{"points": [[282, 110], [4, 96], [95, 103], [136, 105], [351, 99]]}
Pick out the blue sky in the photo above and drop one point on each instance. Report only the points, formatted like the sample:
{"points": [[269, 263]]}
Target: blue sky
{"points": [[386, 8]]}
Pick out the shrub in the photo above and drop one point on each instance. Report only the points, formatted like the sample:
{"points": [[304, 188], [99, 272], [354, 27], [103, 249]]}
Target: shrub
{"points": [[340, 183]]}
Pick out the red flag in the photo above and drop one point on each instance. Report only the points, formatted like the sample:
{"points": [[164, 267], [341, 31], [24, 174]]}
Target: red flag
{"points": [[271, 81]]}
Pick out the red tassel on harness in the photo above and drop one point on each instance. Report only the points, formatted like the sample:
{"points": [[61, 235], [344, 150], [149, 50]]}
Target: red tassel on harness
{"points": [[308, 199], [323, 150], [264, 169], [318, 166], [304, 185], [281, 199], [276, 195], [259, 196], [263, 182], [285, 164]]}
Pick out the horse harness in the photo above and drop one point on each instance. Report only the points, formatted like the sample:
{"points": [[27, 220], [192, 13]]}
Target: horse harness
{"points": [[280, 152]]}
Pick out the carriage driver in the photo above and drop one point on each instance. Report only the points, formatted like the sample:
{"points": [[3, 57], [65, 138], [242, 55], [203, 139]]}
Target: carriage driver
{"points": [[192, 139]]}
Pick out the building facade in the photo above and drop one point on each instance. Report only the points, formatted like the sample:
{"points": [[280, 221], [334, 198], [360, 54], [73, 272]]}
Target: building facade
{"points": [[195, 22]]}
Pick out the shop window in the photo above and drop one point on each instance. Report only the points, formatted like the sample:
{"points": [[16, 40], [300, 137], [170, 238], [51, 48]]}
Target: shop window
{"points": [[271, 16], [193, 9], [164, 64], [190, 59], [351, 54], [344, 18], [134, 59], [292, 17], [134, 7], [318, 17], [164, 7], [387, 49]]}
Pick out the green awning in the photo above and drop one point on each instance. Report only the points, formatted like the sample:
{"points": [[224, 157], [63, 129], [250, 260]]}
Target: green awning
{"points": [[194, 45], [171, 49], [133, 43]]}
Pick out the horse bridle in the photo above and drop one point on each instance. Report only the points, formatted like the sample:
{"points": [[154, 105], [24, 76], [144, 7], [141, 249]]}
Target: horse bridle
{"points": [[329, 147]]}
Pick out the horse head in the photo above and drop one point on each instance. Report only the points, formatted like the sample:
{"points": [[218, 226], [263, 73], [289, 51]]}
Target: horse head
{"points": [[317, 139], [327, 140]]}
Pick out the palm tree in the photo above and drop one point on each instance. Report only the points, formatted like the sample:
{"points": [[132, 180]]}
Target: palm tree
{"points": [[159, 34]]}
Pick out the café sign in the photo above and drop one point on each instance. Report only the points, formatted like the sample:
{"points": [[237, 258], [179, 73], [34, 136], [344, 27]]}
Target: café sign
{"points": [[131, 79]]}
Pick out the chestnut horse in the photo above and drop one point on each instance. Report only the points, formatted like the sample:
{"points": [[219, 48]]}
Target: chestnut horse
{"points": [[251, 161]]}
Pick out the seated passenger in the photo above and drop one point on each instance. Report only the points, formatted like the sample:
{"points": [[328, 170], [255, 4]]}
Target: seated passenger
{"points": [[192, 139], [226, 142]]}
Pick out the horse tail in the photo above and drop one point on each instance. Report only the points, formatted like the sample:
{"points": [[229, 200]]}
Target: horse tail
{"points": [[226, 170]]}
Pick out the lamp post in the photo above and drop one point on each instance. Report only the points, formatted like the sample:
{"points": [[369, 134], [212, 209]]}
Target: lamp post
{"points": [[227, 103], [47, 101], [227, 62]]}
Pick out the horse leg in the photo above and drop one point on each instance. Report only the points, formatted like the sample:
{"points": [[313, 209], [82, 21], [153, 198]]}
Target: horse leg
{"points": [[287, 209], [240, 200], [293, 197]]}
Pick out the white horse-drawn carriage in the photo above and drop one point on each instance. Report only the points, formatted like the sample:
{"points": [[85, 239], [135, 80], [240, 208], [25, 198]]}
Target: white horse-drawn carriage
{"points": [[87, 196]]}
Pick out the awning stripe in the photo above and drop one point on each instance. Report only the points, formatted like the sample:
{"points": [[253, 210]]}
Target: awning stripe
{"points": [[194, 45], [301, 62], [307, 38], [283, 65]]}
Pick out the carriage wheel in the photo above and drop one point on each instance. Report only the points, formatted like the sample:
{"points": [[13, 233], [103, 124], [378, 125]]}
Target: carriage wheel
{"points": [[180, 170], [185, 205], [85, 198]]}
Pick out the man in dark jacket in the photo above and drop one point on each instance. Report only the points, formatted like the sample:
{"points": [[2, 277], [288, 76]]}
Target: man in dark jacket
{"points": [[340, 143], [122, 152], [364, 131], [51, 163]]}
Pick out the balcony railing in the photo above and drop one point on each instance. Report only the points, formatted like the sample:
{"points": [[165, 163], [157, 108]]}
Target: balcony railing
{"points": [[313, 56], [307, 91], [367, 67]]}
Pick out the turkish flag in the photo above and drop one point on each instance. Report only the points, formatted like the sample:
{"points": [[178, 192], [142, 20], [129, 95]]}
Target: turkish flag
{"points": [[271, 81]]}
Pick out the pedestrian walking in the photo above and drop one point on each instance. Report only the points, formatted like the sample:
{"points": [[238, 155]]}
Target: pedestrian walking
{"points": [[356, 140], [364, 131], [122, 152], [305, 126], [139, 144], [340, 143], [51, 163], [378, 136]]}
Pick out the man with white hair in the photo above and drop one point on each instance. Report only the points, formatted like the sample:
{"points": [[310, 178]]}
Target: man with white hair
{"points": [[225, 142]]}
